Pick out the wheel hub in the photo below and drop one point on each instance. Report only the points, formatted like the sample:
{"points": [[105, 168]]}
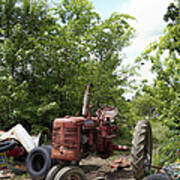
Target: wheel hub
{"points": [[73, 177]]}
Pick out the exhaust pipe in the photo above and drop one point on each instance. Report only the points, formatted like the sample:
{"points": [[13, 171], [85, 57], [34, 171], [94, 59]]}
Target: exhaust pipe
{"points": [[86, 100]]}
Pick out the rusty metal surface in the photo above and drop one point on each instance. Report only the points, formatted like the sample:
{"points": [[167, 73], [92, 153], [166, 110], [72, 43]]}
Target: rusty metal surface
{"points": [[66, 139], [120, 163], [75, 136], [107, 112]]}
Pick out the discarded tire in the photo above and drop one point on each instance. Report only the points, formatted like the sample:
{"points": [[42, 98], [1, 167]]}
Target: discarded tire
{"points": [[52, 172], [38, 162], [141, 152], [7, 145], [48, 148], [157, 177], [70, 173]]}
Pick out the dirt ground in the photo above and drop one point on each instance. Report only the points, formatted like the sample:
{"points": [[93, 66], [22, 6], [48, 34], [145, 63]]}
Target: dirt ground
{"points": [[95, 168], [100, 169]]}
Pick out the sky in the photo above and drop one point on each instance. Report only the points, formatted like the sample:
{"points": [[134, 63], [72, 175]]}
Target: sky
{"points": [[149, 24]]}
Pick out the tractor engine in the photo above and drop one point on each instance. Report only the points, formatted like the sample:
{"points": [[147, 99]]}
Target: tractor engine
{"points": [[66, 138], [76, 137]]}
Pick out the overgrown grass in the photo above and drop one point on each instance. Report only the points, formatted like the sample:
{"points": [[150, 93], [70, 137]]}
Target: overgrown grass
{"points": [[166, 144], [124, 134], [159, 132]]}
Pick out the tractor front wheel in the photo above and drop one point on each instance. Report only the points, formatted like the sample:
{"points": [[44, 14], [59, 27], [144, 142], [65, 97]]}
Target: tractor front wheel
{"points": [[52, 172], [70, 173], [141, 152]]}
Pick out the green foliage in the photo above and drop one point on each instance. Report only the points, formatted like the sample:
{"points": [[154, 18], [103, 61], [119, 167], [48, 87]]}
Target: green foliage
{"points": [[48, 55], [172, 14], [142, 106], [164, 56], [169, 151], [165, 90]]}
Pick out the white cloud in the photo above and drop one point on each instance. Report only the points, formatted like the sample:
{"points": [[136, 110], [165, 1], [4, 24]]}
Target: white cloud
{"points": [[149, 26], [149, 13]]}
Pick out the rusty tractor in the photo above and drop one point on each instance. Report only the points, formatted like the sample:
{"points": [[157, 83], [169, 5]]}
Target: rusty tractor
{"points": [[74, 138]]}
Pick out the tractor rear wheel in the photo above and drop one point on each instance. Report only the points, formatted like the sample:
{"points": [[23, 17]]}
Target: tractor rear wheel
{"points": [[70, 173], [141, 152]]}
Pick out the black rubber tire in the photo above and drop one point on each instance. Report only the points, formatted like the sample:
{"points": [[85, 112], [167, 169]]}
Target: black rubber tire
{"points": [[48, 148], [141, 152], [38, 162], [7, 145], [70, 171], [157, 177], [52, 172]]}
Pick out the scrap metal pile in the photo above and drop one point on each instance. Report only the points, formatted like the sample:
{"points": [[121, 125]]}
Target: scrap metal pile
{"points": [[16, 144]]}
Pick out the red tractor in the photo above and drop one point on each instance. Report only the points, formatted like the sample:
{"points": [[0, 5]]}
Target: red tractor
{"points": [[73, 138]]}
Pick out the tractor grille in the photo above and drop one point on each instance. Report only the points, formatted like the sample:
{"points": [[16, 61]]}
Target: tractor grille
{"points": [[66, 140], [70, 138], [71, 130]]}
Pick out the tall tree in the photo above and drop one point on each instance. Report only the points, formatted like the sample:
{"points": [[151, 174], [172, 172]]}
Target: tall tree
{"points": [[23, 60], [93, 53], [50, 54]]}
